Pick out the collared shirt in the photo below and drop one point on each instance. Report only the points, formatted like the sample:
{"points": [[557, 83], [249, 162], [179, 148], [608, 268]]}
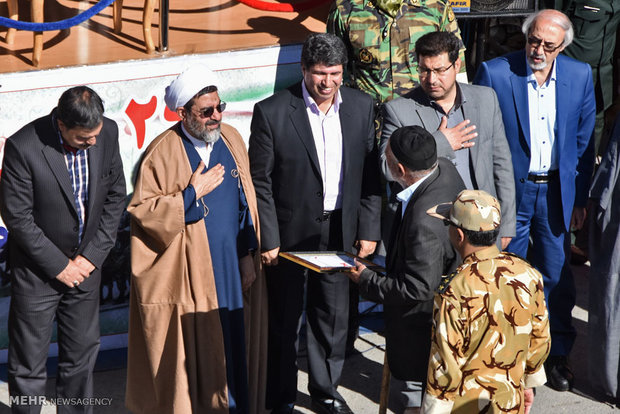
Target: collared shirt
{"points": [[327, 135], [405, 195], [461, 160], [542, 111], [203, 148], [76, 161]]}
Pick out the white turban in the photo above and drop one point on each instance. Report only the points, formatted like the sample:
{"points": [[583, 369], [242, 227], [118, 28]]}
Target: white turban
{"points": [[188, 84]]}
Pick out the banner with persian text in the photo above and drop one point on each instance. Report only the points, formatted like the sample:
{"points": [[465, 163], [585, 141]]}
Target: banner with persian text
{"points": [[133, 94]]}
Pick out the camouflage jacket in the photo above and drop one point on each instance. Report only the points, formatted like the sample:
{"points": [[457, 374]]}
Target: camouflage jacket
{"points": [[490, 336], [382, 60]]}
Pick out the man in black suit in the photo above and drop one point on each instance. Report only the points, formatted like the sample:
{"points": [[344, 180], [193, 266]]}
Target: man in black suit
{"points": [[418, 254], [61, 196], [315, 170]]}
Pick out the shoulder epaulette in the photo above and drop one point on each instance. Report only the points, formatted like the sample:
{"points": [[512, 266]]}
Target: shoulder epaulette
{"points": [[445, 282]]}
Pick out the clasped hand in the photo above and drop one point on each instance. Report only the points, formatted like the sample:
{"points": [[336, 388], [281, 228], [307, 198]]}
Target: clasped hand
{"points": [[77, 270]]}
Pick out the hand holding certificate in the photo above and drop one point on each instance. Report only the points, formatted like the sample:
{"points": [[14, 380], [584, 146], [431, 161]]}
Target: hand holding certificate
{"points": [[329, 262]]}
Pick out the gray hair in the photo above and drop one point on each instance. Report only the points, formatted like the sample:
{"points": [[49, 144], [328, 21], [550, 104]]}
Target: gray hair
{"points": [[557, 17], [419, 174]]}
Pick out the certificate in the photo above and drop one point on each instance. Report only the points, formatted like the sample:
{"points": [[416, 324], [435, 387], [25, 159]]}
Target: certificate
{"points": [[329, 262]]}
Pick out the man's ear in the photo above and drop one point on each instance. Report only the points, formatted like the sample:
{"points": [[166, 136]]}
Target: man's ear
{"points": [[61, 125], [460, 235], [181, 112], [457, 65], [401, 169]]}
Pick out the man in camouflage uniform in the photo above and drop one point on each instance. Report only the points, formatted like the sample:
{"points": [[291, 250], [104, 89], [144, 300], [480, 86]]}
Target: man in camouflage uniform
{"points": [[380, 36], [491, 331]]}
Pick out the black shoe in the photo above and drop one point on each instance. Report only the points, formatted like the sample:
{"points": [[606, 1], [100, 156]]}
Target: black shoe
{"points": [[330, 406], [284, 409], [559, 375]]}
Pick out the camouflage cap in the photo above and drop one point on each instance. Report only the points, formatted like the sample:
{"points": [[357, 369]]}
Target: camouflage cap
{"points": [[474, 210]]}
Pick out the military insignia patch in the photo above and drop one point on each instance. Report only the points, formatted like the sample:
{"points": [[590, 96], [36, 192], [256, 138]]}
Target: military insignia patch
{"points": [[445, 282], [365, 56]]}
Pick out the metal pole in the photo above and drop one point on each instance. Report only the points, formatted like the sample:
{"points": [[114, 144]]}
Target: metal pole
{"points": [[164, 9]]}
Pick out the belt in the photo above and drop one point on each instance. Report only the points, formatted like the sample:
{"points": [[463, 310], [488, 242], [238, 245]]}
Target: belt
{"points": [[542, 178], [328, 213]]}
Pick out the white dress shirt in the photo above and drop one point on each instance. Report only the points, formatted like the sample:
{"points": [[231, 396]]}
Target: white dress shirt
{"points": [[542, 111], [327, 135], [204, 149]]}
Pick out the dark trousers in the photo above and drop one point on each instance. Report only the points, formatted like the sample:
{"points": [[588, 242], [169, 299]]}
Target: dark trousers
{"points": [[539, 216], [31, 321], [327, 308]]}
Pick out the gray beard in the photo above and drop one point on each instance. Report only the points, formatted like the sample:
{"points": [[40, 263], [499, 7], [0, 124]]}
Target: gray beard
{"points": [[537, 66], [200, 131], [210, 136]]}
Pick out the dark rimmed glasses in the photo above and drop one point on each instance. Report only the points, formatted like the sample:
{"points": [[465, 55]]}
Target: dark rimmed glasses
{"points": [[208, 112], [422, 71], [536, 42]]}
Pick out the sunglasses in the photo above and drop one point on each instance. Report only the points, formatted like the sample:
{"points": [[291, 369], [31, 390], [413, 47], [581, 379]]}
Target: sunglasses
{"points": [[208, 112], [536, 42]]}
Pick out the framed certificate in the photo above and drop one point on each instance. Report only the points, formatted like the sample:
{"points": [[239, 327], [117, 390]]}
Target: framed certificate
{"points": [[329, 262]]}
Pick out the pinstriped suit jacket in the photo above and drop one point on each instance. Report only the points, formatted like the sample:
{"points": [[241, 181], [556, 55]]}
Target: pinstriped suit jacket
{"points": [[38, 207]]}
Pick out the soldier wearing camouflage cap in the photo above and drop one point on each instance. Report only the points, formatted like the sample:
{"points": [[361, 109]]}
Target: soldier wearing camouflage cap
{"points": [[491, 330]]}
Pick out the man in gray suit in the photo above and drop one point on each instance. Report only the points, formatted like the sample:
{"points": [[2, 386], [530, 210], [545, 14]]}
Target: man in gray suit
{"points": [[466, 121], [61, 196]]}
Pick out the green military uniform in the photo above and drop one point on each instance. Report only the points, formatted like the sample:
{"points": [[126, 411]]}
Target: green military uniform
{"points": [[490, 337], [380, 36]]}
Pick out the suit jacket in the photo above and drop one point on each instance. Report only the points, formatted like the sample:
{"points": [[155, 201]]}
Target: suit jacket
{"points": [[490, 157], [38, 207], [575, 112], [287, 177], [418, 254]]}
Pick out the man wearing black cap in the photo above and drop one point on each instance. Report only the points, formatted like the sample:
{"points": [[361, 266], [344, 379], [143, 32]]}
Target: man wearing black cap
{"points": [[418, 254]]}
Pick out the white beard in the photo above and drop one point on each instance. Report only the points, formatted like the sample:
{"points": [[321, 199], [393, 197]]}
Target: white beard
{"points": [[537, 66]]}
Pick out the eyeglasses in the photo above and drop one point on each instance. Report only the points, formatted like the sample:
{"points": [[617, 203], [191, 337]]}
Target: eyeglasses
{"points": [[438, 71], [536, 42], [208, 112]]}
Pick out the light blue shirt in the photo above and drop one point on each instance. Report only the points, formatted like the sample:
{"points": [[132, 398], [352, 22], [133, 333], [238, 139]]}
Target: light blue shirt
{"points": [[405, 195], [542, 111]]}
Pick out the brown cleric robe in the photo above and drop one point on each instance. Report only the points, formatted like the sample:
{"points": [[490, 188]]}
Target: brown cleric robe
{"points": [[176, 361]]}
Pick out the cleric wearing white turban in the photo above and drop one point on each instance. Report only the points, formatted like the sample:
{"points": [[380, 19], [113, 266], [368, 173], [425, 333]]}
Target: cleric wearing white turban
{"points": [[193, 211], [188, 84]]}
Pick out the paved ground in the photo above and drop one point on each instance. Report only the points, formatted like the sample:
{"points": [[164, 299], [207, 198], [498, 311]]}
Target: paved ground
{"points": [[362, 377]]}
